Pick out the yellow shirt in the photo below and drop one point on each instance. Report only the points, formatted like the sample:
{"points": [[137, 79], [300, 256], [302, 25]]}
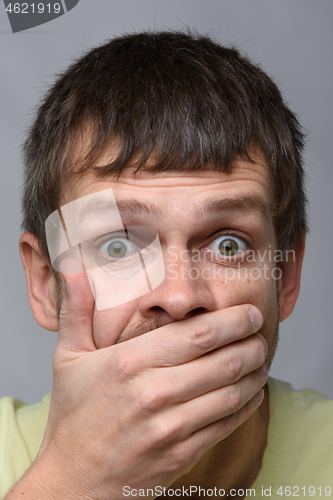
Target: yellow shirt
{"points": [[298, 460], [21, 432]]}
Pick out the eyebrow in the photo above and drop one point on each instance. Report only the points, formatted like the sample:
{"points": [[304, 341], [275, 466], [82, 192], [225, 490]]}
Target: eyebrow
{"points": [[125, 207], [241, 204], [133, 206]]}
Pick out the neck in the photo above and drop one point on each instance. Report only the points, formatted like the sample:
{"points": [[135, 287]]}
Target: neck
{"points": [[235, 461]]}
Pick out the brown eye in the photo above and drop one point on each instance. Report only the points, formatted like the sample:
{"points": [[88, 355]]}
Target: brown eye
{"points": [[116, 249], [228, 247]]}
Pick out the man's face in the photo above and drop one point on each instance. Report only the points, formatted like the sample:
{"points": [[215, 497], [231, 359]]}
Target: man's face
{"points": [[218, 243]]}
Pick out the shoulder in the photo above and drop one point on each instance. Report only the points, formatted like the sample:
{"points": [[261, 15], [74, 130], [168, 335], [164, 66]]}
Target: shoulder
{"points": [[300, 435], [304, 407], [21, 432]]}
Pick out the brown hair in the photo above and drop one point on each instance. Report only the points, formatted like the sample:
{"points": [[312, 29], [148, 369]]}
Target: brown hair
{"points": [[191, 101]]}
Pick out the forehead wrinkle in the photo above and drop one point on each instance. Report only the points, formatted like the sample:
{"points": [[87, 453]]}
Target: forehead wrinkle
{"points": [[241, 204], [125, 207], [133, 206], [244, 204]]}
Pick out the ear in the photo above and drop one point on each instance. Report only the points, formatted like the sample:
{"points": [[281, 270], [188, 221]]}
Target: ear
{"points": [[42, 291], [290, 281]]}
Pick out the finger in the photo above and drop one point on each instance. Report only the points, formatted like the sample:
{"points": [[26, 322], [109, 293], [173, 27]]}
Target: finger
{"points": [[204, 421], [216, 369], [75, 329], [183, 341], [215, 432], [216, 405]]}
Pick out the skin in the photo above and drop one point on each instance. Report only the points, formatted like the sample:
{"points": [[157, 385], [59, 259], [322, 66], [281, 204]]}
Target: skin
{"points": [[181, 364]]}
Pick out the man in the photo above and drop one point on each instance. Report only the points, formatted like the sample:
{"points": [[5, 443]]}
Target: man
{"points": [[190, 148]]}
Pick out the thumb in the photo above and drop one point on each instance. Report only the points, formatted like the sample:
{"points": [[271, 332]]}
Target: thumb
{"points": [[76, 314]]}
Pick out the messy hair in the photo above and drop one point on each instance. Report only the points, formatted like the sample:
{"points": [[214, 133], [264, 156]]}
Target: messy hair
{"points": [[182, 97]]}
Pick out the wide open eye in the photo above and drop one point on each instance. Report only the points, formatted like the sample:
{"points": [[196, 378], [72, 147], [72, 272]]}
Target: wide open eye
{"points": [[119, 248], [227, 246]]}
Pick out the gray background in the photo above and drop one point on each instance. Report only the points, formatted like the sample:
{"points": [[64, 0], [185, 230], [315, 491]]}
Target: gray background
{"points": [[293, 42]]}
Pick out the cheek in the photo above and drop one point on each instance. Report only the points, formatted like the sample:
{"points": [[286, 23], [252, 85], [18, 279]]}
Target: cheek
{"points": [[110, 323], [259, 291], [252, 286]]}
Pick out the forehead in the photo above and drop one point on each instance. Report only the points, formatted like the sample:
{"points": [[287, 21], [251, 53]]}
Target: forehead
{"points": [[247, 179], [177, 203]]}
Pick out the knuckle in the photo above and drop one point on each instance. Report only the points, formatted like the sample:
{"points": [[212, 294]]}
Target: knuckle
{"points": [[152, 399], [122, 366], [261, 351], [166, 433], [230, 424], [183, 457], [232, 367], [180, 457], [203, 336], [247, 410], [260, 378], [234, 398]]}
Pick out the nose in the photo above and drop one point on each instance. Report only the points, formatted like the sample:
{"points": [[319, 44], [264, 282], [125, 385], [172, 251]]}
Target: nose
{"points": [[183, 293]]}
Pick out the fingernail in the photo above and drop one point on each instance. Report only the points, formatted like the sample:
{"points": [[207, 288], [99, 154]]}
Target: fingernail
{"points": [[260, 396], [256, 318], [263, 340], [264, 371]]}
